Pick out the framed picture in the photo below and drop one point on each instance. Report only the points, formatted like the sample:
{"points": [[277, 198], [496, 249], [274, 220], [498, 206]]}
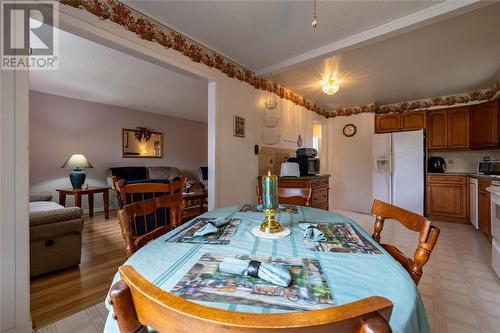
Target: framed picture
{"points": [[146, 144], [239, 126]]}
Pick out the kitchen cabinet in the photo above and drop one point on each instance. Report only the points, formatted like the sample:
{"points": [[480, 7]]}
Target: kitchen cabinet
{"points": [[448, 129], [414, 120], [484, 125], [458, 128], [386, 123], [447, 198], [437, 129], [396, 122], [319, 185], [484, 207]]}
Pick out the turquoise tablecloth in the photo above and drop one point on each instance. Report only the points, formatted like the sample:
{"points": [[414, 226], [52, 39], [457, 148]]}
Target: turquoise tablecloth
{"points": [[350, 276]]}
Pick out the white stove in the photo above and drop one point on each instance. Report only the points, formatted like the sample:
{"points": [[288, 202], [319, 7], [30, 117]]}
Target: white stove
{"points": [[494, 189]]}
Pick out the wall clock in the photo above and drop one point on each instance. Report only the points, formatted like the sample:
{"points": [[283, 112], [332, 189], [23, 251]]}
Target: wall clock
{"points": [[350, 130]]}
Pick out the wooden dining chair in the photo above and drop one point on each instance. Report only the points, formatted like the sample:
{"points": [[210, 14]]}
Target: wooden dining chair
{"points": [[128, 192], [428, 235], [288, 195], [144, 221], [138, 304], [294, 196]]}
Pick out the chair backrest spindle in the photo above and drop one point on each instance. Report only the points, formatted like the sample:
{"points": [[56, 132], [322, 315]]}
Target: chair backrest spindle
{"points": [[140, 221], [428, 235]]}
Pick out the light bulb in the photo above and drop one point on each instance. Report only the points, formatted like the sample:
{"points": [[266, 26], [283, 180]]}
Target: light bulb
{"points": [[330, 85], [314, 22]]}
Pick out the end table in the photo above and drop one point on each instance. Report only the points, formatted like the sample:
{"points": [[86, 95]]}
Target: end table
{"points": [[77, 195]]}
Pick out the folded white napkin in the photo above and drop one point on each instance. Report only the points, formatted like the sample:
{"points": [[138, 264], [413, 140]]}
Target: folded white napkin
{"points": [[211, 227], [312, 233], [274, 273]]}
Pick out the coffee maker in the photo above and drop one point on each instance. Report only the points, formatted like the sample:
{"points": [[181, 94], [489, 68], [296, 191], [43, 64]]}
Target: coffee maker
{"points": [[307, 160], [436, 164]]}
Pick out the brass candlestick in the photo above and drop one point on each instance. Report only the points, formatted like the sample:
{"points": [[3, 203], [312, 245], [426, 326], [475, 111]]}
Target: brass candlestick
{"points": [[270, 204], [270, 225]]}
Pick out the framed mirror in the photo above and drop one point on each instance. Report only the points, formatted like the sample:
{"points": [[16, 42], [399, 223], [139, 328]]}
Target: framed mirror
{"points": [[142, 142]]}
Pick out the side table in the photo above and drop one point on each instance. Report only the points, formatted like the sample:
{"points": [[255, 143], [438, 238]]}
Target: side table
{"points": [[77, 195], [193, 211]]}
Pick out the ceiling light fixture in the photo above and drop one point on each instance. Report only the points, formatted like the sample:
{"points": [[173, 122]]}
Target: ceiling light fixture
{"points": [[315, 17], [330, 84]]}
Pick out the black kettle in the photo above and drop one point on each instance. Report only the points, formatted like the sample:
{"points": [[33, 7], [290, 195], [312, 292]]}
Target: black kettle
{"points": [[436, 164]]}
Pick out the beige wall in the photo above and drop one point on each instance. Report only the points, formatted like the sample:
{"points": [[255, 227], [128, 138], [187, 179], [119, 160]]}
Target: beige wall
{"points": [[235, 164], [60, 126], [351, 163]]}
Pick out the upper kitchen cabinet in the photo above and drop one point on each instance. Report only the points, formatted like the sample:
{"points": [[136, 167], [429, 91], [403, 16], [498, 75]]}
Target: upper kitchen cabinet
{"points": [[437, 129], [396, 122], [386, 123], [413, 120], [484, 125], [448, 129], [458, 128]]}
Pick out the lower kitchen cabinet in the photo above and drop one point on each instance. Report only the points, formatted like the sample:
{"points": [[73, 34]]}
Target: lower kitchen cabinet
{"points": [[484, 207], [319, 185], [447, 198]]}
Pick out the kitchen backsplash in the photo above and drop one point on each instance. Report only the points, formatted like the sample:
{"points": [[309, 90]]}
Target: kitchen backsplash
{"points": [[466, 161]]}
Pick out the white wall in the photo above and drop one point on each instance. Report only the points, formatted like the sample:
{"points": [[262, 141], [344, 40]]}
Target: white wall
{"points": [[351, 163], [60, 126], [14, 235]]}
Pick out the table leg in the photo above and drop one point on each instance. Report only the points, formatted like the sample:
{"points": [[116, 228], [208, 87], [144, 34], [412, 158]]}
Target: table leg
{"points": [[91, 204], [62, 199], [105, 196], [78, 200]]}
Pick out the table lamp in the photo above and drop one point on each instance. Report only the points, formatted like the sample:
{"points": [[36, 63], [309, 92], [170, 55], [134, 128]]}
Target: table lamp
{"points": [[77, 162]]}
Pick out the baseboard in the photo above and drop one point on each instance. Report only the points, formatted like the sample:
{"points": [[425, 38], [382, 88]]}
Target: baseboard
{"points": [[96, 210], [25, 327]]}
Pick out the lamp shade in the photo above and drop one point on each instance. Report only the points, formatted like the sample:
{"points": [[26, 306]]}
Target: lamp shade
{"points": [[77, 161]]}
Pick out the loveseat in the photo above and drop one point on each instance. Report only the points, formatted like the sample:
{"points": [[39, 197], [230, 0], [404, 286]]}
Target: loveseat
{"points": [[55, 235]]}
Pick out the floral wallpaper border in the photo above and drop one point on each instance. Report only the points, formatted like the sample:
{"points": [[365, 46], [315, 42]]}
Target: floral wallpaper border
{"points": [[150, 30], [423, 104]]}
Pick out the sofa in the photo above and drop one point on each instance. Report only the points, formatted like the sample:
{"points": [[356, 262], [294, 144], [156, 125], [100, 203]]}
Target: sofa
{"points": [[139, 173], [55, 235]]}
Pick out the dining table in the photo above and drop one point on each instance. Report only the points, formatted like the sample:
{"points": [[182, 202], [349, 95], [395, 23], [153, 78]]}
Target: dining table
{"points": [[350, 275]]}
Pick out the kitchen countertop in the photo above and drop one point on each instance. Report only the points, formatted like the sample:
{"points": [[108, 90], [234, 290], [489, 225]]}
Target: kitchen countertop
{"points": [[469, 174], [305, 177]]}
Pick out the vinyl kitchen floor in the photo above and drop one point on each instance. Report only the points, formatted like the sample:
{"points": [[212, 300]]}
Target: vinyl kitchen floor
{"points": [[460, 291]]}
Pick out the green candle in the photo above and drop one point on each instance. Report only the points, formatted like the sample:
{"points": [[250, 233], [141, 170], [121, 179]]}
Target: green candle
{"points": [[269, 191]]}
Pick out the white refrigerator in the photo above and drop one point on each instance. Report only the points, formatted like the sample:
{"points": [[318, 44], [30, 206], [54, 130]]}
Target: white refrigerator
{"points": [[398, 169]]}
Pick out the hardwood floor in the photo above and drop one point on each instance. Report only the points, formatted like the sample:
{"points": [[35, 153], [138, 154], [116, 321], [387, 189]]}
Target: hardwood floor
{"points": [[57, 295]]}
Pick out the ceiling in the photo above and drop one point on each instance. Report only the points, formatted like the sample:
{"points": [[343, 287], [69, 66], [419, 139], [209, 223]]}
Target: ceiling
{"points": [[257, 34], [93, 72], [452, 56], [384, 51]]}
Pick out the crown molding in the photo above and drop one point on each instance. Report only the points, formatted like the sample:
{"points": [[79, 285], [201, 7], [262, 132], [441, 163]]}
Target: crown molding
{"points": [[426, 16], [148, 29]]}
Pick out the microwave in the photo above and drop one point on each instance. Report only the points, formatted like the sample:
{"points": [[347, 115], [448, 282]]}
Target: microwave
{"points": [[489, 168], [308, 166]]}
